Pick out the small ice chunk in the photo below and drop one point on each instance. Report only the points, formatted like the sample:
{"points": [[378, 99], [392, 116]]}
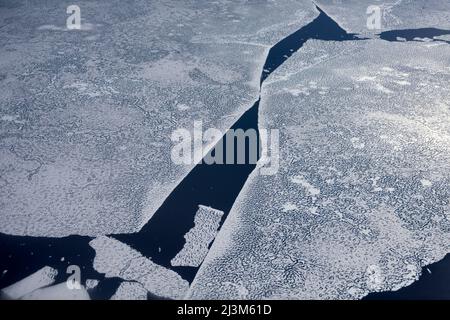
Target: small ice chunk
{"points": [[91, 284], [116, 259], [41, 278], [58, 292], [130, 291], [207, 223]]}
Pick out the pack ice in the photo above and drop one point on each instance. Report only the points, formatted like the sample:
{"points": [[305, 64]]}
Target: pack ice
{"points": [[353, 15], [86, 115], [361, 200]]}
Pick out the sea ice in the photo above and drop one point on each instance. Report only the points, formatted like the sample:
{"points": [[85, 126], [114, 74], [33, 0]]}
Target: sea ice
{"points": [[116, 259], [352, 15], [207, 222], [41, 278], [87, 115], [58, 292], [130, 291], [361, 200]]}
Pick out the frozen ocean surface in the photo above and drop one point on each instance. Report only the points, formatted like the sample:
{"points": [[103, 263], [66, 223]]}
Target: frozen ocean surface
{"points": [[115, 259], [359, 205], [361, 200], [396, 14], [86, 117], [41, 278]]}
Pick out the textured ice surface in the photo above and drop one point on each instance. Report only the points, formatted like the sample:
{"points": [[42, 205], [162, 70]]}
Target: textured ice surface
{"points": [[58, 292], [207, 222], [361, 200], [396, 14], [130, 291], [41, 278], [116, 259], [86, 116]]}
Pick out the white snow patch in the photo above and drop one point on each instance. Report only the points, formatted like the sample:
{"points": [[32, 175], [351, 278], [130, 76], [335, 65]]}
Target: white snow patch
{"points": [[289, 206], [426, 183], [312, 190], [357, 143]]}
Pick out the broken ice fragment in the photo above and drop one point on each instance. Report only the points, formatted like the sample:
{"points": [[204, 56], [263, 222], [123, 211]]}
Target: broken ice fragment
{"points": [[58, 292], [41, 278], [116, 259], [207, 222]]}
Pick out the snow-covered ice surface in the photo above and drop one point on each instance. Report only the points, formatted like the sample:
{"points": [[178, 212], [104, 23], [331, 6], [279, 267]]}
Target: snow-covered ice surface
{"points": [[116, 259], [395, 14], [207, 222], [86, 115], [361, 200], [41, 278], [130, 291]]}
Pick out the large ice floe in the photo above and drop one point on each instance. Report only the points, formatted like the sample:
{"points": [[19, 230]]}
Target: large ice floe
{"points": [[361, 200], [353, 15], [86, 115]]}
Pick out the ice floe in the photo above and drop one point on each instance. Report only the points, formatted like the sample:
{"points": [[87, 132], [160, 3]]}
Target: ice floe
{"points": [[352, 15], [41, 278], [87, 115], [116, 259], [381, 163], [207, 222]]}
